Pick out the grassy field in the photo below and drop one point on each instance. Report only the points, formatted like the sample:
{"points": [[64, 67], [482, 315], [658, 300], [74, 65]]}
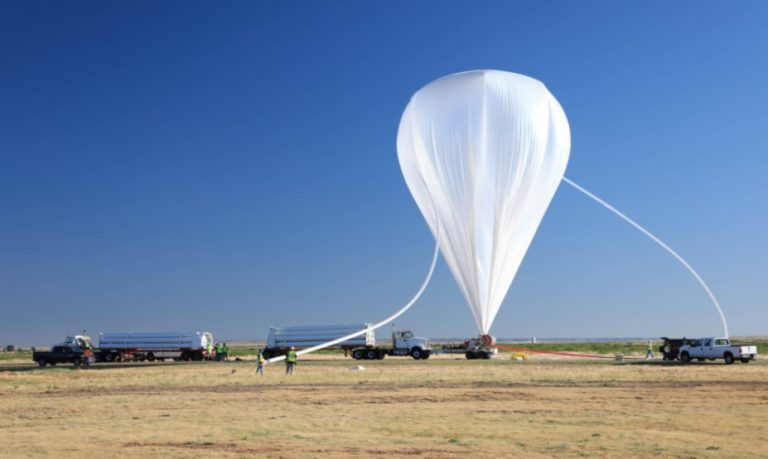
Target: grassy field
{"points": [[445, 407]]}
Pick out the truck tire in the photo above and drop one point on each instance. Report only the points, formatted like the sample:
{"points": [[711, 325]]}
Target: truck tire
{"points": [[417, 353], [471, 355], [381, 355], [728, 358], [357, 354], [41, 362], [685, 357], [426, 356], [151, 357], [109, 357], [744, 360], [77, 361], [370, 354]]}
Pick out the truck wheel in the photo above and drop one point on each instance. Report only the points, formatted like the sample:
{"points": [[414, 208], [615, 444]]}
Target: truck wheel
{"points": [[744, 360], [357, 354], [41, 362], [426, 356], [370, 355], [485, 355], [151, 357], [471, 355], [685, 357], [109, 357], [728, 358], [77, 361], [416, 353]]}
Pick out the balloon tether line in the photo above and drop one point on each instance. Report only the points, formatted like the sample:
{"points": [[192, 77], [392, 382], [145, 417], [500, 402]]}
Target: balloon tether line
{"points": [[660, 243], [389, 319], [380, 324]]}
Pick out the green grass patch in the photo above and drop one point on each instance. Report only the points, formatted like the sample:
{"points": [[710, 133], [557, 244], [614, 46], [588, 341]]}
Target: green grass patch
{"points": [[21, 355]]}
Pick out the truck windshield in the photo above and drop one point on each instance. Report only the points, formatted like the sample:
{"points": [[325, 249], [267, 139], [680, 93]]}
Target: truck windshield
{"points": [[407, 334]]}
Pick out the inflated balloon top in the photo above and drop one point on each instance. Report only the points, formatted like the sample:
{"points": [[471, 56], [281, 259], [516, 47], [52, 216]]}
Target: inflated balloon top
{"points": [[483, 153]]}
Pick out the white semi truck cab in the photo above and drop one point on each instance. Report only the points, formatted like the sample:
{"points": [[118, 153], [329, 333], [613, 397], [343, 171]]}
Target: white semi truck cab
{"points": [[717, 348], [403, 344]]}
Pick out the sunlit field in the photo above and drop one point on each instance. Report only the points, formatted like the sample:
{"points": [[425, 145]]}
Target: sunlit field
{"points": [[441, 408]]}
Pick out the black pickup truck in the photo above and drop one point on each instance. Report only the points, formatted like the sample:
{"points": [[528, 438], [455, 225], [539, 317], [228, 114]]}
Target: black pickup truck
{"points": [[60, 354]]}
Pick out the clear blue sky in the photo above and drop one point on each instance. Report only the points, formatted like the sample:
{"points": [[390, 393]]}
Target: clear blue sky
{"points": [[230, 166]]}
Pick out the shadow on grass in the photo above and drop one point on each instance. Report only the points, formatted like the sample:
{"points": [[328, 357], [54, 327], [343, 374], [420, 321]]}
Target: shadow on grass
{"points": [[33, 367]]}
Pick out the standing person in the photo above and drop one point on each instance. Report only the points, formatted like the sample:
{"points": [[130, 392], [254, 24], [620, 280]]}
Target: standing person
{"points": [[219, 352], [225, 350], [209, 348], [259, 363], [290, 361], [649, 354]]}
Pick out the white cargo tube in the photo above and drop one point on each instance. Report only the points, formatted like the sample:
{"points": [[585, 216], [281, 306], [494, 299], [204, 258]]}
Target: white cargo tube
{"points": [[377, 325], [660, 243]]}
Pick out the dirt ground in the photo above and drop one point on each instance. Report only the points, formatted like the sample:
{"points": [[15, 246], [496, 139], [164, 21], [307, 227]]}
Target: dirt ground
{"points": [[440, 408]]}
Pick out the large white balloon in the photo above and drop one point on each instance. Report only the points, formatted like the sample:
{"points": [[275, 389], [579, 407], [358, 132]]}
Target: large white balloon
{"points": [[483, 153]]}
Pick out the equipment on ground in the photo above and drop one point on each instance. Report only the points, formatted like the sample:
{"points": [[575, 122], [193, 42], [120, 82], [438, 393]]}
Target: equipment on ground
{"points": [[670, 349], [480, 347]]}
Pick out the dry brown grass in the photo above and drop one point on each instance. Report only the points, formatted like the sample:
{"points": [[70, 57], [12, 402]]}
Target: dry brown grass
{"points": [[439, 408]]}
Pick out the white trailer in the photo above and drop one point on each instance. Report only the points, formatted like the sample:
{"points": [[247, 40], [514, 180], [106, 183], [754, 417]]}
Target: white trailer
{"points": [[280, 339], [191, 345]]}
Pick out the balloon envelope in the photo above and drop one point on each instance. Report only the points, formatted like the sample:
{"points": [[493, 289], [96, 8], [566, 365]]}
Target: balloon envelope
{"points": [[483, 153]]}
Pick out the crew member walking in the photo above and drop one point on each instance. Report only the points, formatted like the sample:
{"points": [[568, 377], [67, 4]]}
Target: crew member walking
{"points": [[290, 361], [259, 363], [649, 354]]}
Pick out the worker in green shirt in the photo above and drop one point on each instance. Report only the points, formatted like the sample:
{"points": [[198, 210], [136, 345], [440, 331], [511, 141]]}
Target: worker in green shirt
{"points": [[225, 350], [219, 352], [260, 363], [290, 361]]}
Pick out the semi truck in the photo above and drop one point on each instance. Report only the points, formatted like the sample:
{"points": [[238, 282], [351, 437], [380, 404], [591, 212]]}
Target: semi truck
{"points": [[717, 348], [281, 339], [117, 347]]}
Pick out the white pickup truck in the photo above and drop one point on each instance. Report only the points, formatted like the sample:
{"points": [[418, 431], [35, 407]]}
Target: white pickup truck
{"points": [[717, 348]]}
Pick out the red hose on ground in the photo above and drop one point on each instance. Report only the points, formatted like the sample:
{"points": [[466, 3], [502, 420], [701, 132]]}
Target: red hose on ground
{"points": [[566, 354]]}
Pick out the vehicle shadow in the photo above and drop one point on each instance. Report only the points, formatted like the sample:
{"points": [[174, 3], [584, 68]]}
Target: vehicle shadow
{"points": [[674, 363], [33, 367]]}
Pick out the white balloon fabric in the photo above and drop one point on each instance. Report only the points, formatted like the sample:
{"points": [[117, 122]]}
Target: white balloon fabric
{"points": [[483, 153]]}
